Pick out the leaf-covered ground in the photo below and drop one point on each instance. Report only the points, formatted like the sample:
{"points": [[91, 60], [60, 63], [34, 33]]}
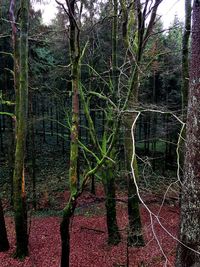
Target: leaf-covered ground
{"points": [[89, 239]]}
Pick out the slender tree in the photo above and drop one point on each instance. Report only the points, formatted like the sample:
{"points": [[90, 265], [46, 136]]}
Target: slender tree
{"points": [[73, 171], [185, 68], [20, 41], [135, 34], [108, 170], [104, 149], [188, 251]]}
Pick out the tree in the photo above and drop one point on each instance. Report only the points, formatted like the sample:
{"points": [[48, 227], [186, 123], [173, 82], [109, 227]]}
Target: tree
{"points": [[93, 94], [116, 100], [108, 173], [188, 250], [135, 36], [20, 44], [103, 148], [75, 55], [185, 67]]}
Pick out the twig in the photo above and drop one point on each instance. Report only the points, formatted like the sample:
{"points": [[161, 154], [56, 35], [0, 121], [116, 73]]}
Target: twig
{"points": [[92, 229]]}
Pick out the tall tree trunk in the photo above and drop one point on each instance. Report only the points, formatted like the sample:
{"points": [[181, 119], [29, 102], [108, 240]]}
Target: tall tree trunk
{"points": [[141, 33], [135, 237], [185, 69], [21, 87], [4, 245], [74, 148], [188, 255], [111, 215], [65, 232], [109, 174]]}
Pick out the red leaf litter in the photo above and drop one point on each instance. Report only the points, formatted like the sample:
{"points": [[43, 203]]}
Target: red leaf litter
{"points": [[89, 246]]}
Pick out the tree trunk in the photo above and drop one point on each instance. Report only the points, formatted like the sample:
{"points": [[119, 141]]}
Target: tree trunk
{"points": [[108, 172], [188, 255], [111, 216], [4, 245], [135, 237], [65, 232], [21, 87], [185, 72], [142, 31], [74, 147]]}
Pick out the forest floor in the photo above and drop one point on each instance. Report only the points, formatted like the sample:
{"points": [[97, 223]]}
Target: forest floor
{"points": [[89, 246]]}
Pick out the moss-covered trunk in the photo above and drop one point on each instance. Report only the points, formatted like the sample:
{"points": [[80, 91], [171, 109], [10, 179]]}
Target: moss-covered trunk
{"points": [[74, 149], [4, 245], [108, 170], [111, 216], [21, 83], [134, 23], [73, 181]]}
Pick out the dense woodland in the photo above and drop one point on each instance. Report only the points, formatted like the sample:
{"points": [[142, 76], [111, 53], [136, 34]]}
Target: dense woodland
{"points": [[99, 135]]}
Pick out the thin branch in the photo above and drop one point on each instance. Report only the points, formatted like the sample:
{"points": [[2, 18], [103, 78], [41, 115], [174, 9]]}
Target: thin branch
{"points": [[152, 214], [63, 7]]}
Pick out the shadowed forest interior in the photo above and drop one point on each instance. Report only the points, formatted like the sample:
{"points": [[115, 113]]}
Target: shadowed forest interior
{"points": [[99, 129]]}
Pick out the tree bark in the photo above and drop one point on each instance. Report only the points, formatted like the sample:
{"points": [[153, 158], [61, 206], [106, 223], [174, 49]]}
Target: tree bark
{"points": [[185, 70], [190, 199], [21, 87], [135, 18], [135, 237], [108, 172], [65, 232], [74, 147], [111, 215]]}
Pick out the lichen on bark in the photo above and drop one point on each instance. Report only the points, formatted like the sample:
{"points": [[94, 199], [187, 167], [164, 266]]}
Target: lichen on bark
{"points": [[190, 197]]}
